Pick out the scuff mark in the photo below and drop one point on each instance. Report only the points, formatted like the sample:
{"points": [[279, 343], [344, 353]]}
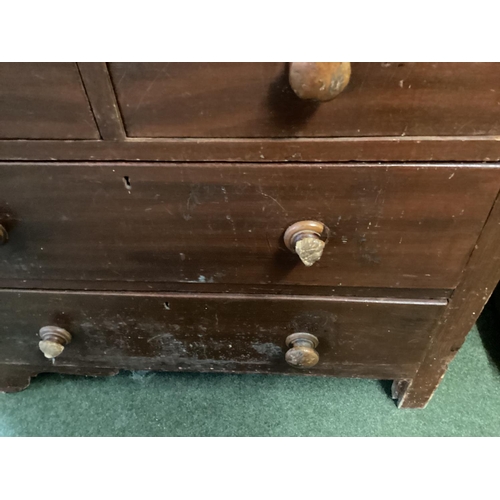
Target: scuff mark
{"points": [[268, 349], [192, 202], [271, 198], [150, 86], [202, 279], [230, 219]]}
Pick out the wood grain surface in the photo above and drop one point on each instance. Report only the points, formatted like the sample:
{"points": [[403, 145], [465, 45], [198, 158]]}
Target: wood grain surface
{"points": [[44, 101], [479, 279], [367, 149], [391, 226], [376, 338], [256, 100], [101, 95]]}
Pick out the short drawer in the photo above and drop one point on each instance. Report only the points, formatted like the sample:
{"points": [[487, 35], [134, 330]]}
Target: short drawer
{"points": [[390, 225], [377, 338], [255, 100], [44, 101]]}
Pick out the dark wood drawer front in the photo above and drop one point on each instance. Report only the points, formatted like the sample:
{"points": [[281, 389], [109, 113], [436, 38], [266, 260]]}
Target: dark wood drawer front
{"points": [[391, 226], [44, 101], [255, 100], [364, 337]]}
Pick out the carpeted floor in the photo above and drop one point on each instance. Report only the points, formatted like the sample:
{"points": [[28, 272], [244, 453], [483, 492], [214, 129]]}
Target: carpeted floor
{"points": [[136, 404]]}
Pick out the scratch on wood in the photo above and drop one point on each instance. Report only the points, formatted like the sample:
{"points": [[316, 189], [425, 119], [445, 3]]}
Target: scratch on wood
{"points": [[270, 197]]}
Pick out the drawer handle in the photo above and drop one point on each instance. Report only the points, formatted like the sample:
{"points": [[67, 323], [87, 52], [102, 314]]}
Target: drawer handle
{"points": [[307, 238], [302, 352], [53, 341], [319, 81], [4, 235]]}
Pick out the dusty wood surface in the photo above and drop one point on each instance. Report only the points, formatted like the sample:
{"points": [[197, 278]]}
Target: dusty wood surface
{"points": [[391, 226], [217, 332]]}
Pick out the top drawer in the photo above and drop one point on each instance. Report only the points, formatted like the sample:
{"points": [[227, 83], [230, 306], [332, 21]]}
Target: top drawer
{"points": [[44, 101], [255, 100]]}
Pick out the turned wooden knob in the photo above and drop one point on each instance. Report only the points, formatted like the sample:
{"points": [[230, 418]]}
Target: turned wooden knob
{"points": [[320, 81], [307, 239], [4, 235], [53, 341], [302, 352]]}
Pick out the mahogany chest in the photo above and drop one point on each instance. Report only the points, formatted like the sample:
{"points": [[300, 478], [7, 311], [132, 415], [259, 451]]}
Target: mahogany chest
{"points": [[296, 218]]}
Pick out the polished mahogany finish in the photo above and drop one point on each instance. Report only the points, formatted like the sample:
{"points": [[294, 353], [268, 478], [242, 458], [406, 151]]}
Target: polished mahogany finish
{"points": [[44, 101], [248, 112], [159, 216], [229, 100], [391, 226]]}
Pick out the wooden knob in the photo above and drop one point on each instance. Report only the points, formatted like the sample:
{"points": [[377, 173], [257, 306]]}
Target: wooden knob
{"points": [[307, 238], [4, 235], [320, 81], [53, 341], [302, 352]]}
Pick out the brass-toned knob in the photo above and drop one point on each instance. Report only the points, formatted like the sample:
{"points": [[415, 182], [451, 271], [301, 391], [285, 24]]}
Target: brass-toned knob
{"points": [[307, 238], [4, 235], [53, 341], [319, 81], [302, 352]]}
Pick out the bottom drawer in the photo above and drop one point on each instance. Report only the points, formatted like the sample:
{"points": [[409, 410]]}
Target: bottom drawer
{"points": [[372, 337]]}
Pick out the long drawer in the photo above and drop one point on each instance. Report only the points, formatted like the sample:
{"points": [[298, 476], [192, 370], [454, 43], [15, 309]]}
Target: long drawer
{"points": [[256, 100], [393, 226], [377, 338]]}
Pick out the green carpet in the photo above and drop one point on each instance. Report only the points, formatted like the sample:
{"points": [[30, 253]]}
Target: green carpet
{"points": [[138, 404]]}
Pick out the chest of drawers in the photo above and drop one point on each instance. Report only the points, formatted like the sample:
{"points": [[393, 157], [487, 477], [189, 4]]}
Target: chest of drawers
{"points": [[303, 218]]}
